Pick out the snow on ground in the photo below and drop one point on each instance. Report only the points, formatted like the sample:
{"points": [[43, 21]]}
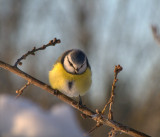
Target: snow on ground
{"points": [[22, 118]]}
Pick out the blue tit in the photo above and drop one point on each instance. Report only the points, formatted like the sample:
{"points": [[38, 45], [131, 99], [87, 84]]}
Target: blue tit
{"points": [[71, 74]]}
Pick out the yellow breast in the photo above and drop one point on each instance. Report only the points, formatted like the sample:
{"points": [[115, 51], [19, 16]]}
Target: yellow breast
{"points": [[59, 79]]}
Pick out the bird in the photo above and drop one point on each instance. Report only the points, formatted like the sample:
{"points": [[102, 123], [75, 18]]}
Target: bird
{"points": [[71, 74]]}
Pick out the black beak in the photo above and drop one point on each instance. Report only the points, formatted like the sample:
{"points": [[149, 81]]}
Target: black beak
{"points": [[76, 70]]}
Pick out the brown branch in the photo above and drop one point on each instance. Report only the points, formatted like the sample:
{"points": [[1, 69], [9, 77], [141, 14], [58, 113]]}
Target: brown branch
{"points": [[96, 117], [117, 69], [20, 91], [112, 133], [32, 52], [155, 34]]}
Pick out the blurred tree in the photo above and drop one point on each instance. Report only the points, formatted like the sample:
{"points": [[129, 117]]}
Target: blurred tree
{"points": [[9, 26], [146, 114]]}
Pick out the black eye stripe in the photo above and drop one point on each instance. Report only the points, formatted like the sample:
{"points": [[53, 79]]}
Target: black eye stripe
{"points": [[82, 65], [70, 62]]}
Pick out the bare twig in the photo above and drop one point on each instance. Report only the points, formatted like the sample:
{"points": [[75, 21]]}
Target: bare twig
{"points": [[117, 69], [155, 34], [20, 91], [112, 133], [111, 100], [32, 52]]}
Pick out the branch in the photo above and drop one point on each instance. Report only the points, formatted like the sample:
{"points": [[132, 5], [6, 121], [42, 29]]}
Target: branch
{"points": [[20, 91], [112, 133], [155, 34], [117, 69], [96, 117], [32, 52]]}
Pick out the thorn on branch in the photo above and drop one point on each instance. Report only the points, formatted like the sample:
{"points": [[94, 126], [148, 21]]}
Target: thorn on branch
{"points": [[32, 52], [93, 128], [20, 91]]}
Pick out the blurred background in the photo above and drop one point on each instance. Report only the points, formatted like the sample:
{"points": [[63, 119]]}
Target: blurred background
{"points": [[110, 32]]}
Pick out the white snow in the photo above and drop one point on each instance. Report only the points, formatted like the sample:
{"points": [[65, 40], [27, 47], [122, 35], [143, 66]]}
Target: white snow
{"points": [[22, 118]]}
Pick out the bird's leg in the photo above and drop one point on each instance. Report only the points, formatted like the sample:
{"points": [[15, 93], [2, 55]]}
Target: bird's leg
{"points": [[80, 101]]}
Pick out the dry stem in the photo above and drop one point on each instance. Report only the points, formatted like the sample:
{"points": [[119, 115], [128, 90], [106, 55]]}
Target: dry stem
{"points": [[111, 100], [20, 91], [32, 52], [112, 133], [117, 69]]}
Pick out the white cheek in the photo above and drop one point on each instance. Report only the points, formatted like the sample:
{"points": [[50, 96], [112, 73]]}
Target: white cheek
{"points": [[67, 66]]}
